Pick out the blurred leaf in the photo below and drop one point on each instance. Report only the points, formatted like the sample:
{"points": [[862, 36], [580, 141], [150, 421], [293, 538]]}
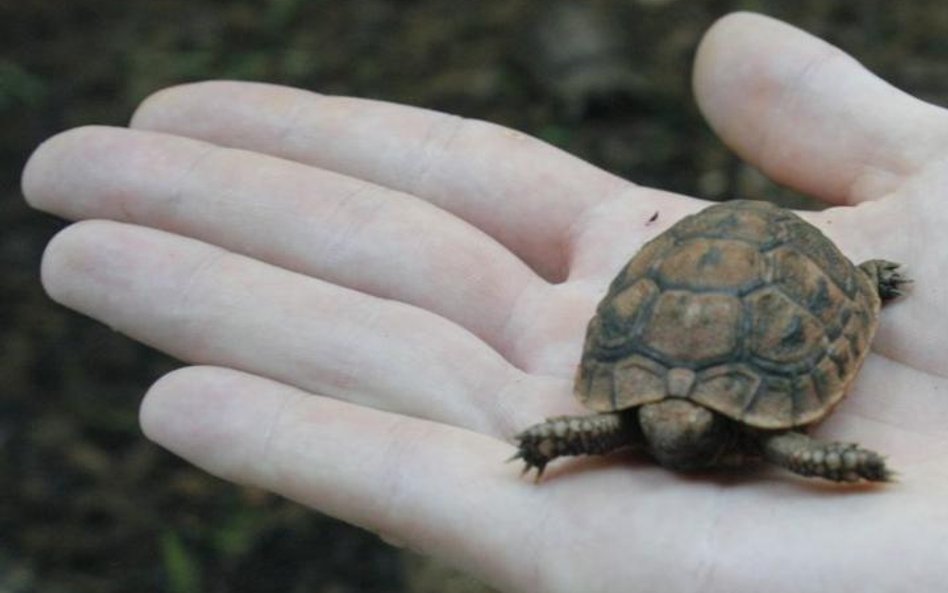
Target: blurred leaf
{"points": [[281, 14], [19, 87], [237, 535], [556, 135], [181, 568]]}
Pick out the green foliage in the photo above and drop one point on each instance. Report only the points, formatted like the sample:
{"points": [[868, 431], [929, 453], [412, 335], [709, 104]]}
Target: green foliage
{"points": [[555, 134], [236, 536], [181, 568], [19, 87]]}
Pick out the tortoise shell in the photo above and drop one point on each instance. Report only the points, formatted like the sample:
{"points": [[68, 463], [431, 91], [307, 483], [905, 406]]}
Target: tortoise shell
{"points": [[743, 308]]}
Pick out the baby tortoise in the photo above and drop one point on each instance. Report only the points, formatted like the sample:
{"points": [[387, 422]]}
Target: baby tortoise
{"points": [[720, 342]]}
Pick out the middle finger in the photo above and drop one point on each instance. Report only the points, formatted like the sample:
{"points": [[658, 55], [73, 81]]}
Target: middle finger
{"points": [[302, 218]]}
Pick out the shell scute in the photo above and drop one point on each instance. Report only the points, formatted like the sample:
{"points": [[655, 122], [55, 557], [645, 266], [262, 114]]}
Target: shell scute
{"points": [[689, 327], [727, 387], [638, 380], [802, 280], [711, 264], [619, 316], [781, 331]]}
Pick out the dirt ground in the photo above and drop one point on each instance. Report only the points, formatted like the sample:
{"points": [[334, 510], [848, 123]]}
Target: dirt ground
{"points": [[86, 503]]}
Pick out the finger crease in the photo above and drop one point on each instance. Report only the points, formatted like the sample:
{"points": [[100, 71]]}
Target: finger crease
{"points": [[270, 465], [360, 200], [511, 331], [440, 137], [187, 304], [291, 120], [787, 92], [183, 181]]}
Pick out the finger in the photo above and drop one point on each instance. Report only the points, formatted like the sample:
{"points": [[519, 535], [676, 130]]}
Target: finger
{"points": [[807, 114], [437, 489], [411, 481], [521, 191], [343, 230], [205, 305]]}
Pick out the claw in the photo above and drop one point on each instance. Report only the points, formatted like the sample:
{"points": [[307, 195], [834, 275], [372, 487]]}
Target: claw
{"points": [[889, 280], [539, 464]]}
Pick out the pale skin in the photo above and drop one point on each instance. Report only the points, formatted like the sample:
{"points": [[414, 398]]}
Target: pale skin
{"points": [[375, 298]]}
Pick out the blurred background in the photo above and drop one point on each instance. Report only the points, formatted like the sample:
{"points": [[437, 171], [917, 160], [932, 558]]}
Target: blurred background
{"points": [[86, 503]]}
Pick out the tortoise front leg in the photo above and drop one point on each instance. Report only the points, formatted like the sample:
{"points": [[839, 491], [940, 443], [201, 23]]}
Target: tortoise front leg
{"points": [[840, 462], [574, 435], [886, 276]]}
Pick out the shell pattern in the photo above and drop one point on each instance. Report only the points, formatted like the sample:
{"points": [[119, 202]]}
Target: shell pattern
{"points": [[744, 308]]}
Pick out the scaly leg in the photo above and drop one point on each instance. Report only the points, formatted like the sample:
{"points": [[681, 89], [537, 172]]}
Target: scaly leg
{"points": [[840, 462], [886, 276], [573, 435]]}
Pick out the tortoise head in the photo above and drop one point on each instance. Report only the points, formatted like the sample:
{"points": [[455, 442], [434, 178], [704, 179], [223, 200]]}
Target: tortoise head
{"points": [[682, 435]]}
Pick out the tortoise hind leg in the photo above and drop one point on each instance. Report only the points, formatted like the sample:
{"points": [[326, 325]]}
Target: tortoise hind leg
{"points": [[886, 276], [840, 462], [573, 435]]}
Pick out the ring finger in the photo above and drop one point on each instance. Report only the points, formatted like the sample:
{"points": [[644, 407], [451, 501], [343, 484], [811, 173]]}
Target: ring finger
{"points": [[206, 305]]}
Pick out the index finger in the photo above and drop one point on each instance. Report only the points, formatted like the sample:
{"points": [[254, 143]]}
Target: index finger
{"points": [[523, 192]]}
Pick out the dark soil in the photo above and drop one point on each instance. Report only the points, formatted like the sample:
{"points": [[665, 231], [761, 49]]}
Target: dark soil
{"points": [[86, 503]]}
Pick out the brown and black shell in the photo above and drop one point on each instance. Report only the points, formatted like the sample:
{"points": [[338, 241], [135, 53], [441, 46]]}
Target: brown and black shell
{"points": [[743, 308]]}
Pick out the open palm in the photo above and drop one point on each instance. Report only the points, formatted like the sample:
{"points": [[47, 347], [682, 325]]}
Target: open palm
{"points": [[376, 298]]}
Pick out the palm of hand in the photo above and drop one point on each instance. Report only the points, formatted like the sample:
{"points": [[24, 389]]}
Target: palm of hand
{"points": [[306, 357], [761, 531]]}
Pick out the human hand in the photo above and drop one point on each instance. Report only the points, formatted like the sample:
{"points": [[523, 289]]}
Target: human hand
{"points": [[376, 298]]}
